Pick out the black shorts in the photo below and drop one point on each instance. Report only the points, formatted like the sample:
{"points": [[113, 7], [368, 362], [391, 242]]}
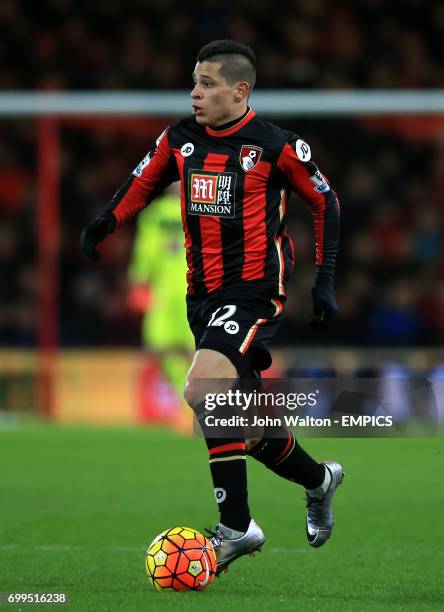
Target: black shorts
{"points": [[238, 322]]}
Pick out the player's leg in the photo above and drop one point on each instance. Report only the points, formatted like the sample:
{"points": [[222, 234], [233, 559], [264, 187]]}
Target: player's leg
{"points": [[237, 533], [286, 458], [227, 456], [282, 454]]}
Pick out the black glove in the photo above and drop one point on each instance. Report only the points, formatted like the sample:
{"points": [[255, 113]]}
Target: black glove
{"points": [[94, 233], [324, 306]]}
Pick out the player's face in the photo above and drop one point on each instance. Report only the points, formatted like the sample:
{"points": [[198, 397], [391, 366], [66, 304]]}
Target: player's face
{"points": [[215, 101]]}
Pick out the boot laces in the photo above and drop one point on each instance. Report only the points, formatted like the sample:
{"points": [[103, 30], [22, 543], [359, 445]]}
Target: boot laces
{"points": [[215, 537]]}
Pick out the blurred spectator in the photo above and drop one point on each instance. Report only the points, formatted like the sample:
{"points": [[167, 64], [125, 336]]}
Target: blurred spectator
{"points": [[139, 44], [395, 319]]}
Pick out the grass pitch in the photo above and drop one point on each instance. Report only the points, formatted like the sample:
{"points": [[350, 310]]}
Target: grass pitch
{"points": [[78, 507]]}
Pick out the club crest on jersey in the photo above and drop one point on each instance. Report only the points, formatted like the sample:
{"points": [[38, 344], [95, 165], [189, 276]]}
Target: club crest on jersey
{"points": [[249, 157], [211, 193]]}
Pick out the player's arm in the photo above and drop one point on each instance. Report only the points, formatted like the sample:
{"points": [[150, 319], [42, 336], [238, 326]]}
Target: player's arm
{"points": [[155, 172], [307, 181]]}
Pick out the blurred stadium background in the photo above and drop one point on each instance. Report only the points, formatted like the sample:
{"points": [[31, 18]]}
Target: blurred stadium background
{"points": [[70, 332], [80, 503]]}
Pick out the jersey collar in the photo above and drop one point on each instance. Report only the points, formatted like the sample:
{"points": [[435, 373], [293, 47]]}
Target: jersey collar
{"points": [[233, 128]]}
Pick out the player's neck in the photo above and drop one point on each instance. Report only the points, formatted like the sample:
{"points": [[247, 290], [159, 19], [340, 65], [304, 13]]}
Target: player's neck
{"points": [[228, 124]]}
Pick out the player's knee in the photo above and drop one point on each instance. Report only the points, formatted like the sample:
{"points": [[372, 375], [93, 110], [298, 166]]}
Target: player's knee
{"points": [[193, 392], [211, 372]]}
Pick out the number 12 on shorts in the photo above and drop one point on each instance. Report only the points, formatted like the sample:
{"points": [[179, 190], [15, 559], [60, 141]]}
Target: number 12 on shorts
{"points": [[220, 317], [214, 321]]}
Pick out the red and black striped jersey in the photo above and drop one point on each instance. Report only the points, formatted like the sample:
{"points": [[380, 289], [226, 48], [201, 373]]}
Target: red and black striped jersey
{"points": [[235, 184]]}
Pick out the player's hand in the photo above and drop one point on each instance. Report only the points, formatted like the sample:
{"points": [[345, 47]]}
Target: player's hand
{"points": [[324, 306], [94, 233]]}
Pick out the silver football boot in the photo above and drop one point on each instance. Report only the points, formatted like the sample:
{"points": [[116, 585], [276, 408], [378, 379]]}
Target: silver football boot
{"points": [[320, 519], [229, 544]]}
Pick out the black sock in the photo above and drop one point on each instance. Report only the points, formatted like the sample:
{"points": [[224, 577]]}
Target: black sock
{"points": [[286, 458], [229, 471]]}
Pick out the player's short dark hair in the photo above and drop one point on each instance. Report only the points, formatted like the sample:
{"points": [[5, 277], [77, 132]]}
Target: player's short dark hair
{"points": [[238, 62]]}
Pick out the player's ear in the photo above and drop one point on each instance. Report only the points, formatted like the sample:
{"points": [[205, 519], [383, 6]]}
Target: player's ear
{"points": [[241, 91]]}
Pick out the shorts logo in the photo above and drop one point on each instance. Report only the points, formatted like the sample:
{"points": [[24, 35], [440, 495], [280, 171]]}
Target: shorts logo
{"points": [[212, 193], [320, 182], [187, 149], [231, 327], [249, 156], [220, 494], [303, 151]]}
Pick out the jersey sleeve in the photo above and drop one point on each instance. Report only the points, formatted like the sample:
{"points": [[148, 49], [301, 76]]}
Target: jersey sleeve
{"points": [[305, 179], [155, 172]]}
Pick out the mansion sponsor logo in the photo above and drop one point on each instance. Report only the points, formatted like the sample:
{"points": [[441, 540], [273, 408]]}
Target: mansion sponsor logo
{"points": [[211, 193]]}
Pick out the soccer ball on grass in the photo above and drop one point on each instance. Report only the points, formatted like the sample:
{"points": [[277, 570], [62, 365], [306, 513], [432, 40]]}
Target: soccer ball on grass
{"points": [[180, 559]]}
